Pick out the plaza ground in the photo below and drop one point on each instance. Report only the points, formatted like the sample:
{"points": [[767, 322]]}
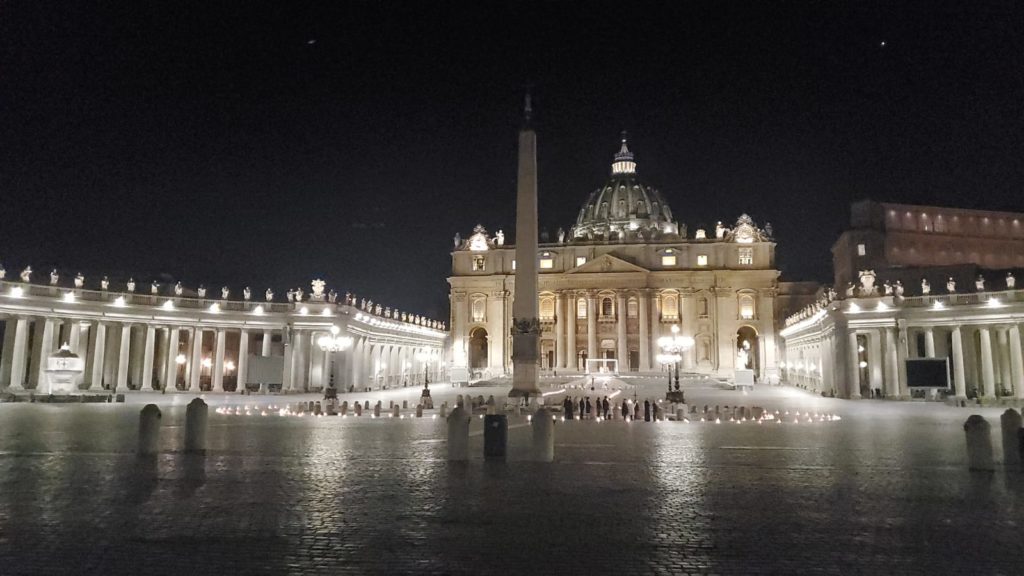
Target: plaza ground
{"points": [[884, 490]]}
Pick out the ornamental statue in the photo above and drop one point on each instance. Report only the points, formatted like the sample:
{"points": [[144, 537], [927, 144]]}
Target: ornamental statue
{"points": [[926, 288], [887, 288], [349, 299], [201, 291], [318, 289], [224, 292], [499, 238], [178, 289], [26, 274], [979, 283], [867, 282], [54, 277], [104, 283], [269, 295], [298, 294], [362, 303], [154, 288], [3, 272], [376, 310], [951, 285], [387, 312], [79, 280], [332, 296], [898, 289], [1011, 282], [850, 289], [719, 230], [405, 317], [457, 241], [246, 293], [291, 295], [131, 284], [561, 236], [768, 232]]}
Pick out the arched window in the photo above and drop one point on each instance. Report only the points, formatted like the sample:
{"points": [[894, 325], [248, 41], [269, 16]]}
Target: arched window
{"points": [[746, 305], [581, 307], [669, 306], [607, 308], [632, 308], [547, 308], [479, 308]]}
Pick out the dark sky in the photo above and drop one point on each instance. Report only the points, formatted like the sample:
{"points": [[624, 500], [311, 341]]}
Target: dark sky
{"points": [[230, 142]]}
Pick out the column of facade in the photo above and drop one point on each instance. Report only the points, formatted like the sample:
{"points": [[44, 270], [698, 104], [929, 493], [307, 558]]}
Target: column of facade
{"points": [[560, 324], [1016, 362], [686, 313], [959, 380], [828, 378], [571, 362], [645, 343], [217, 378], [243, 359], [19, 349], [623, 350], [10, 327], [265, 344], [196, 361], [591, 325], [356, 362], [99, 351], [875, 360], [1004, 357], [147, 358], [655, 329], [853, 353], [892, 364], [171, 359], [988, 378], [45, 348], [124, 351], [929, 342], [136, 356], [288, 339]]}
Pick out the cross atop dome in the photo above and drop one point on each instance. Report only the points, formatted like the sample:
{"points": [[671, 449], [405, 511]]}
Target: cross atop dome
{"points": [[623, 163]]}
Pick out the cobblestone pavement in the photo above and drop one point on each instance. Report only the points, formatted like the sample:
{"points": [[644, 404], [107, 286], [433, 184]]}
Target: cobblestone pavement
{"points": [[883, 491]]}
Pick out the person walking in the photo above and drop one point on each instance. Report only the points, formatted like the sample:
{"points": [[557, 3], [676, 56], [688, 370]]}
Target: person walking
{"points": [[607, 407], [636, 411], [583, 408], [624, 409], [567, 408], [589, 408], [647, 410]]}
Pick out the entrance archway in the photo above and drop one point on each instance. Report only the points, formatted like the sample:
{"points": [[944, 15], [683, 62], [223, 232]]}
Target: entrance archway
{"points": [[748, 347], [478, 349]]}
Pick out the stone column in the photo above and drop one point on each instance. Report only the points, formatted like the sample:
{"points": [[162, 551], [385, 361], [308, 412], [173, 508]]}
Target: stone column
{"points": [[988, 378], [217, 379], [570, 348], [929, 342], [875, 360], [1016, 362], [10, 328], [171, 368], [287, 379], [655, 328], [686, 314], [892, 364], [99, 349], [560, 323], [147, 358], [45, 350], [526, 327], [196, 362], [591, 326], [74, 335], [243, 359], [1004, 358], [645, 344], [19, 351], [124, 352], [620, 335], [959, 380], [265, 344], [854, 369]]}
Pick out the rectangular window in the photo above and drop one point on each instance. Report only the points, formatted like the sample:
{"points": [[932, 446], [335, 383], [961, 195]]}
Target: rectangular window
{"points": [[547, 263], [513, 265], [702, 260], [581, 260], [861, 250], [479, 263], [581, 307], [668, 260], [746, 256]]}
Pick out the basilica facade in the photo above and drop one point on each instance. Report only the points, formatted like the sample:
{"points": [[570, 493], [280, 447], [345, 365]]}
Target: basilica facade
{"points": [[626, 274]]}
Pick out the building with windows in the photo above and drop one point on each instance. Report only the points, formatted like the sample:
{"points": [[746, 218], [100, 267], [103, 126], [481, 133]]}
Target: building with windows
{"points": [[623, 275]]}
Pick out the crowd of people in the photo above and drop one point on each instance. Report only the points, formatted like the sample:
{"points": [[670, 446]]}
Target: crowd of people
{"points": [[583, 408]]}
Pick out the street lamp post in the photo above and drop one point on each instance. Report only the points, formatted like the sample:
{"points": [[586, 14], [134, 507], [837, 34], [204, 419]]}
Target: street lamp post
{"points": [[426, 358], [671, 349], [333, 343]]}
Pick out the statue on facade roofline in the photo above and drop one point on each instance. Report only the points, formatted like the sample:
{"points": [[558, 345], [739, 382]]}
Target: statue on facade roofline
{"points": [[104, 283], [224, 292], [318, 289], [376, 310], [349, 300], [362, 303], [246, 293], [387, 312], [887, 288], [867, 282], [457, 241], [332, 296], [26, 274], [154, 288], [850, 289], [178, 289], [719, 230], [131, 284], [291, 295], [3, 272], [898, 289], [405, 317], [201, 291], [979, 283], [1011, 282], [499, 237], [561, 236], [926, 287], [768, 232], [269, 295], [951, 285], [298, 294], [79, 280], [54, 277]]}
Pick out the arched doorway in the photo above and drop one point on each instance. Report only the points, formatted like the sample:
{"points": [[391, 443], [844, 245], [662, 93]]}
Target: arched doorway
{"points": [[748, 350], [478, 349]]}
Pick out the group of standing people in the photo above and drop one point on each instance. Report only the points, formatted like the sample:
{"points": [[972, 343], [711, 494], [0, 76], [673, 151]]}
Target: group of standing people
{"points": [[585, 409]]}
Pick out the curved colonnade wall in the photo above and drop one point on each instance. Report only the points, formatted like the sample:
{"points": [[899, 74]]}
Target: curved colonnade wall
{"points": [[131, 341]]}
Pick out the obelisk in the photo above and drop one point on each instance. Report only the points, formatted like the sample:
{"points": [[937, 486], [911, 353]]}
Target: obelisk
{"points": [[525, 321]]}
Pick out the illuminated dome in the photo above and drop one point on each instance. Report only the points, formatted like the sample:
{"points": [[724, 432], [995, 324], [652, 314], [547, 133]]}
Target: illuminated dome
{"points": [[625, 208]]}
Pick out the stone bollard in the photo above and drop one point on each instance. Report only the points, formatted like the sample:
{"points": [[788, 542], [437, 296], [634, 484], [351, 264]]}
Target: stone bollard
{"points": [[458, 434], [359, 409], [391, 404], [149, 430], [491, 410], [195, 426], [419, 410], [444, 409], [366, 405], [680, 414], [1010, 422], [396, 411], [979, 444], [376, 410], [344, 408], [405, 404], [517, 410], [543, 435], [317, 409], [490, 400]]}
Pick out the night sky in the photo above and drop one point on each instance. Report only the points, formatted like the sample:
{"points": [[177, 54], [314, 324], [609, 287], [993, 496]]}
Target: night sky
{"points": [[226, 142]]}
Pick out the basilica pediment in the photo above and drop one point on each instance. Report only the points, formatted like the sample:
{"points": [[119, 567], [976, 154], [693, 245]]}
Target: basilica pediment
{"points": [[606, 263]]}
